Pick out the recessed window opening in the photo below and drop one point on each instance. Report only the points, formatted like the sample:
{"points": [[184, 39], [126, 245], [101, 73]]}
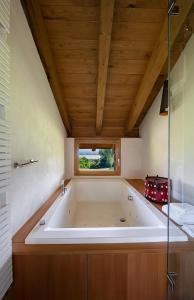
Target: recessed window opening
{"points": [[97, 157]]}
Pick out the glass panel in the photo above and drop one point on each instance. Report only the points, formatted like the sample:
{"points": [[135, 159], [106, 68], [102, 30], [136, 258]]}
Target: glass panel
{"points": [[181, 152]]}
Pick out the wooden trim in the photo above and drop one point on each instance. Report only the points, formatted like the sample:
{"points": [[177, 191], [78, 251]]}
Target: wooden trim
{"points": [[97, 141], [36, 22], [157, 62], [106, 21]]}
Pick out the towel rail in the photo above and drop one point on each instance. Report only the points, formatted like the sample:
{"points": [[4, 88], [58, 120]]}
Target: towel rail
{"points": [[24, 164]]}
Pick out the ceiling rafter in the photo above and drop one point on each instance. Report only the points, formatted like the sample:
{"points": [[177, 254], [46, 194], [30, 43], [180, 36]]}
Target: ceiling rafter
{"points": [[156, 63], [36, 22], [106, 21]]}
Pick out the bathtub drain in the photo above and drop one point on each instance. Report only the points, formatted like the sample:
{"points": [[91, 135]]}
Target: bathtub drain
{"points": [[122, 220]]}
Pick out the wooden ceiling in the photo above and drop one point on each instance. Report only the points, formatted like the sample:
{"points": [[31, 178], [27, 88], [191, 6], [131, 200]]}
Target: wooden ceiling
{"points": [[105, 60]]}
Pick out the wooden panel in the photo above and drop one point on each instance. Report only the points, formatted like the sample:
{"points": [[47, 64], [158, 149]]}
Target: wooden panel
{"points": [[147, 276], [139, 15], [81, 102], [66, 66], [132, 44], [121, 91], [77, 54], [85, 109], [106, 21], [107, 277], [126, 79], [128, 66], [80, 13], [84, 131], [80, 91], [112, 131], [64, 44], [70, 13], [72, 30], [84, 3], [140, 31], [118, 102], [142, 3], [50, 277], [130, 55], [74, 78], [87, 123], [119, 3], [116, 113], [112, 123], [132, 277]]}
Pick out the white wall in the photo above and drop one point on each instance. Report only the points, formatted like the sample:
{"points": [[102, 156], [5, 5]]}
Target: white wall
{"points": [[154, 133], [69, 157], [131, 157], [182, 125], [37, 129], [154, 130]]}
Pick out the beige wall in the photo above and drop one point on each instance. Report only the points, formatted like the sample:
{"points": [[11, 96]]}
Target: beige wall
{"points": [[37, 129], [154, 134]]}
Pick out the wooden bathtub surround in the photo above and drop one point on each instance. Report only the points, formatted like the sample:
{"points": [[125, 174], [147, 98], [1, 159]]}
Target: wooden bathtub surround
{"points": [[87, 271], [95, 143], [94, 272]]}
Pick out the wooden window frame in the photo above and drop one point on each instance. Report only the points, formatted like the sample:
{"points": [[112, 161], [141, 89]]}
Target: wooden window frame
{"points": [[97, 141]]}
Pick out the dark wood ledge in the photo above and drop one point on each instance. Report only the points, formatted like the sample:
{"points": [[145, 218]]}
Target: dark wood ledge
{"points": [[138, 184]]}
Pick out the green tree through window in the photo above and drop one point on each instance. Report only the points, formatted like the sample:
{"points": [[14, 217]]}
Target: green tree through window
{"points": [[105, 161]]}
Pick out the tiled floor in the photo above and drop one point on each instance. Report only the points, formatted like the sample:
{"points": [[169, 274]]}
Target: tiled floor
{"points": [[99, 214]]}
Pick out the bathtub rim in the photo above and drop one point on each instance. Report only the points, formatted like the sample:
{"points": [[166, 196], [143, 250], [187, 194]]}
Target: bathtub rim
{"points": [[39, 235]]}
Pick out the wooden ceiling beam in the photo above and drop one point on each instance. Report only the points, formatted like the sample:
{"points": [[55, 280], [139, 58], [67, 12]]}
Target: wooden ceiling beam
{"points": [[157, 62], [106, 21], [36, 22]]}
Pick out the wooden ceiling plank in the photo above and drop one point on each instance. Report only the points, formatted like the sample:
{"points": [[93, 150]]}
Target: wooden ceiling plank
{"points": [[139, 15], [123, 31], [158, 4], [106, 22], [70, 13], [36, 22], [84, 3], [81, 30], [156, 63]]}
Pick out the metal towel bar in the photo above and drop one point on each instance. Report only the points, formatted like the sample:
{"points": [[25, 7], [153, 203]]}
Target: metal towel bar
{"points": [[21, 165]]}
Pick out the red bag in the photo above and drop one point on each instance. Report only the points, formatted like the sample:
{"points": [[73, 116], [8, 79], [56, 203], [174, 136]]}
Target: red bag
{"points": [[156, 189]]}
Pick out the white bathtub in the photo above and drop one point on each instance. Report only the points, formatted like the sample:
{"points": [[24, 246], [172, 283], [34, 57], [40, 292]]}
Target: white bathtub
{"points": [[92, 211]]}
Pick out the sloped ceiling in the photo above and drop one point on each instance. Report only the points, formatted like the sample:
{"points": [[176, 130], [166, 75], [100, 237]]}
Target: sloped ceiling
{"points": [[105, 60]]}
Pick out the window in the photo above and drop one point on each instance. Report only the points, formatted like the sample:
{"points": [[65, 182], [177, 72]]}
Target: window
{"points": [[97, 157]]}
